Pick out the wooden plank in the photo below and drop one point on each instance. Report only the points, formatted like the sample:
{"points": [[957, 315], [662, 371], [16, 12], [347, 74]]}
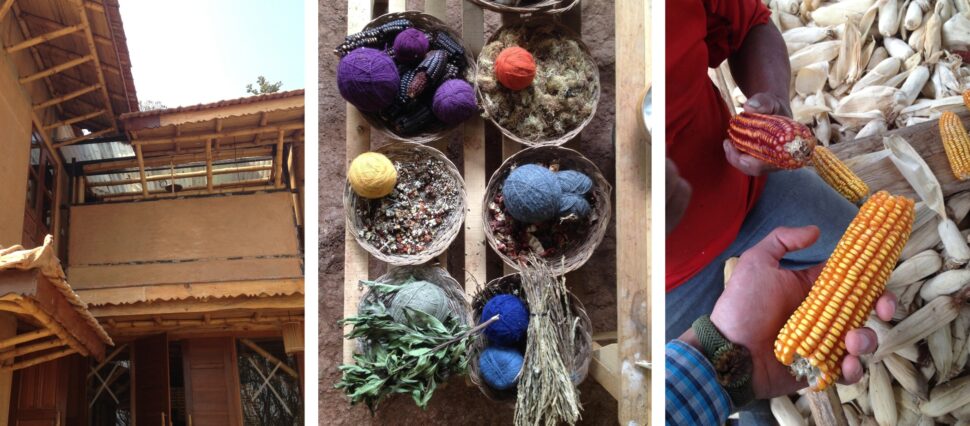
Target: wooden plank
{"points": [[29, 336], [43, 38], [632, 212], [56, 69], [67, 97], [88, 136], [509, 146], [473, 145], [359, 13], [604, 367], [211, 373], [868, 158], [196, 305], [76, 119], [150, 373]]}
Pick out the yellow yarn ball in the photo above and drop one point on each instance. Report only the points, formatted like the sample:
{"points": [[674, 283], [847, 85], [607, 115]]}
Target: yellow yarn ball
{"points": [[372, 175]]}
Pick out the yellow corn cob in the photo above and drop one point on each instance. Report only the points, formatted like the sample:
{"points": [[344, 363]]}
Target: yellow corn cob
{"points": [[956, 142], [813, 340], [966, 98], [835, 173]]}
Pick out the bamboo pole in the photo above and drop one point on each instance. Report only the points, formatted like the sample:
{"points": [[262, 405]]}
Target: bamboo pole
{"points": [[141, 170], [5, 8], [46, 321], [35, 119], [89, 38], [239, 186], [278, 172], [8, 330], [67, 97], [185, 157], [207, 173], [25, 337], [44, 38], [269, 357], [208, 165], [85, 137], [39, 360], [108, 359], [29, 349], [220, 135], [77, 119], [56, 69]]}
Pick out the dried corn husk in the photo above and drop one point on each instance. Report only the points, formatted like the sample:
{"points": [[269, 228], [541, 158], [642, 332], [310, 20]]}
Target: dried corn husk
{"points": [[916, 268], [819, 52], [897, 48], [914, 14], [935, 314], [889, 18], [947, 398], [881, 395], [838, 13], [940, 345], [811, 79], [944, 284], [885, 70], [956, 33], [785, 412], [907, 376]]}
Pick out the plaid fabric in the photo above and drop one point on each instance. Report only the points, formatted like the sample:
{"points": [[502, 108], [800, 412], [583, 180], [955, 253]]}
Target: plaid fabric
{"points": [[693, 395]]}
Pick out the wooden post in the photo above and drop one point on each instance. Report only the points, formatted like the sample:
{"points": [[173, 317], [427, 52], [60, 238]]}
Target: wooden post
{"points": [[359, 13], [208, 165], [141, 170], [632, 213], [8, 329], [473, 134], [278, 172], [293, 345]]}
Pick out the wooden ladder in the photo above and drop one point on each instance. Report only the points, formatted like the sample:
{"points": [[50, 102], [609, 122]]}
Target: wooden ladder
{"points": [[621, 358]]}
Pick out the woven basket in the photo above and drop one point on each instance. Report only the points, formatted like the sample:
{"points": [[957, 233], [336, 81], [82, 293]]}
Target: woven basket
{"points": [[547, 7], [432, 274], [599, 217], [427, 23], [511, 284], [405, 152], [539, 29]]}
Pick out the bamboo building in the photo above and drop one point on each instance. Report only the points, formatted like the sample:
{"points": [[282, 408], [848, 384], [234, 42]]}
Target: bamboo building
{"points": [[151, 263]]}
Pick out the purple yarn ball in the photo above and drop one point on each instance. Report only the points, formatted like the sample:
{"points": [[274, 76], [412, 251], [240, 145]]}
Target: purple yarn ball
{"points": [[454, 101], [368, 79], [410, 45]]}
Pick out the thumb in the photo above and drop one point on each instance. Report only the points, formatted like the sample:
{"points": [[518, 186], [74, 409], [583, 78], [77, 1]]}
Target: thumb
{"points": [[782, 241], [762, 103]]}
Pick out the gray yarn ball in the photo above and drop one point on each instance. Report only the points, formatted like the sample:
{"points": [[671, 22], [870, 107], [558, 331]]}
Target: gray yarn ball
{"points": [[574, 204], [574, 182], [532, 193], [420, 296]]}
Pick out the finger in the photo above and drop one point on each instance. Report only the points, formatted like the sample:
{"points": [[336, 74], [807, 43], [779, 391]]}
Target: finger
{"points": [[851, 370], [745, 163], [781, 241], [861, 341], [677, 206], [886, 306], [761, 103]]}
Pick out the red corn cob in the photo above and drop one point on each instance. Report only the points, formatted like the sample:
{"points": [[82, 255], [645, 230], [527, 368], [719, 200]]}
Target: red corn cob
{"points": [[774, 139]]}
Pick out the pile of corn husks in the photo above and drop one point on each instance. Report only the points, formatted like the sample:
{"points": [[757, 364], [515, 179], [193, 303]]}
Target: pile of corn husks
{"points": [[861, 67]]}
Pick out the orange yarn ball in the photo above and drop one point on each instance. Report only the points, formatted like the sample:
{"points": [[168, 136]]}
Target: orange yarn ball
{"points": [[515, 68]]}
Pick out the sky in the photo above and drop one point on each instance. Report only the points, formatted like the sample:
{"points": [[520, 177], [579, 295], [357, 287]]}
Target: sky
{"points": [[186, 52]]}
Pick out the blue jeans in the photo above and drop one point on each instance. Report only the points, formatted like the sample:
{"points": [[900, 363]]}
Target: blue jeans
{"points": [[791, 199]]}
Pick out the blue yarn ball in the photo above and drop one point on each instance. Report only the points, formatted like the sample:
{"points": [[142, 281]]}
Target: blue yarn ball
{"points": [[574, 182], [410, 45], [368, 79], [513, 320], [500, 367], [574, 204], [532, 193]]}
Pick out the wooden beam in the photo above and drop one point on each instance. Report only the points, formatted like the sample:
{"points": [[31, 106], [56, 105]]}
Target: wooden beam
{"points": [[108, 358], [184, 158], [25, 337], [220, 135], [208, 165], [5, 8], [269, 357], [39, 360], [77, 119], [95, 6], [41, 21], [141, 170], [88, 136], [633, 257], [198, 306], [29, 349], [98, 297], [35, 119], [56, 69], [98, 67], [67, 97], [359, 13], [278, 172], [604, 367], [184, 175], [229, 188], [473, 145], [45, 38]]}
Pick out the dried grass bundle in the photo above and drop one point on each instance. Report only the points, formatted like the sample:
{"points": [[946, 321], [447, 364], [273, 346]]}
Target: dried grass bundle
{"points": [[547, 392]]}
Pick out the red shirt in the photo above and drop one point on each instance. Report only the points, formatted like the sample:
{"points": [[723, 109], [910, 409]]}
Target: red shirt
{"points": [[702, 34]]}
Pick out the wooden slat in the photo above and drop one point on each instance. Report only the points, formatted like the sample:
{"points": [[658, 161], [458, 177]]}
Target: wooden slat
{"points": [[359, 13], [45, 38], [77, 119], [39, 360], [29, 349], [868, 158], [25, 337], [98, 67], [605, 368], [85, 137], [56, 69], [184, 158], [473, 144], [67, 97], [5, 8], [220, 135], [632, 212], [207, 173]]}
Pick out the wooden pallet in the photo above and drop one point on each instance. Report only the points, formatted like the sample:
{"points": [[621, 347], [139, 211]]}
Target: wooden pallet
{"points": [[630, 352]]}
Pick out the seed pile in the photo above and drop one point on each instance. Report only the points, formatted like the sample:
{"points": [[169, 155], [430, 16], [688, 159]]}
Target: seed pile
{"points": [[409, 218], [561, 96]]}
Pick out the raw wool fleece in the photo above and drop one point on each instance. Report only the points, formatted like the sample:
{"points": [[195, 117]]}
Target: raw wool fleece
{"points": [[372, 175], [368, 79], [420, 296], [513, 320], [410, 46], [532, 193], [560, 97], [500, 367]]}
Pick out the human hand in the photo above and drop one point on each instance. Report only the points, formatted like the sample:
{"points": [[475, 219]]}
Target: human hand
{"points": [[760, 297], [761, 103], [678, 196]]}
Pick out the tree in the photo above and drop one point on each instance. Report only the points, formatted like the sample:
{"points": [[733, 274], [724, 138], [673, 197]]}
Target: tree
{"points": [[264, 86], [149, 105]]}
